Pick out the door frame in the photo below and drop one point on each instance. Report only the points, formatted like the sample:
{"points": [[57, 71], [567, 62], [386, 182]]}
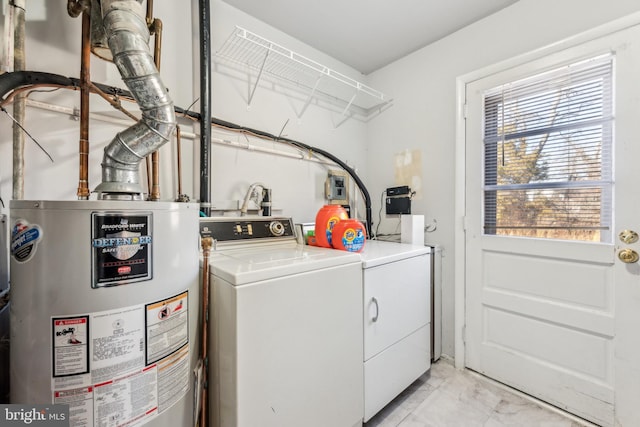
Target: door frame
{"points": [[460, 158]]}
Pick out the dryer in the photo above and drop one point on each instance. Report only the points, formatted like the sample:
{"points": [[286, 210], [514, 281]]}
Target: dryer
{"points": [[396, 310], [285, 328]]}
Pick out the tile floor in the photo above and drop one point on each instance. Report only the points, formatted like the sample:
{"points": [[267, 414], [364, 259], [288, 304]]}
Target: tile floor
{"points": [[447, 397]]}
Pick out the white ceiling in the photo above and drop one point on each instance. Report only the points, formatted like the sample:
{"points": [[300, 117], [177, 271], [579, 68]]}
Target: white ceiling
{"points": [[369, 34]]}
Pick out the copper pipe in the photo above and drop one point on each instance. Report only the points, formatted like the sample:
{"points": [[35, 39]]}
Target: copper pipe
{"points": [[150, 183], [207, 243], [155, 29], [149, 176], [113, 100], [85, 81], [155, 177], [149, 12]]}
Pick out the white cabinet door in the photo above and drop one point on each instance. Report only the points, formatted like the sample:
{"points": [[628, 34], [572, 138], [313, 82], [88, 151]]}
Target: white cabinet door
{"points": [[396, 302]]}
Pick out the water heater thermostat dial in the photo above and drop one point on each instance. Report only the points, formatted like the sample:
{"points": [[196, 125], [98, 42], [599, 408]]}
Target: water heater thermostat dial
{"points": [[276, 228]]}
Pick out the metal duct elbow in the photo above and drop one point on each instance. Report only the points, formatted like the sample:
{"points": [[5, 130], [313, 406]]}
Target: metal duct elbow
{"points": [[128, 39]]}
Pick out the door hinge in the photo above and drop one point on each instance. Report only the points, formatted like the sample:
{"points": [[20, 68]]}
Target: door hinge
{"points": [[464, 334], [464, 110]]}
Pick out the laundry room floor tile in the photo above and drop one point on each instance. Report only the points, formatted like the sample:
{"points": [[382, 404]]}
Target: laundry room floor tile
{"points": [[448, 397]]}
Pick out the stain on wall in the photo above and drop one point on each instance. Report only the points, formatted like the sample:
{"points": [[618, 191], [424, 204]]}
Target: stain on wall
{"points": [[408, 171]]}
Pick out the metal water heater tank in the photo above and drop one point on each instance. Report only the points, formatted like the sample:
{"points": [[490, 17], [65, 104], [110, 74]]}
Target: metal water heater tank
{"points": [[104, 310], [4, 311]]}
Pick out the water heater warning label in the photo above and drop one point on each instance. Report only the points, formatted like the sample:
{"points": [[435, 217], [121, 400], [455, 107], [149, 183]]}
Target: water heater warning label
{"points": [[70, 346], [122, 248], [167, 326], [122, 367]]}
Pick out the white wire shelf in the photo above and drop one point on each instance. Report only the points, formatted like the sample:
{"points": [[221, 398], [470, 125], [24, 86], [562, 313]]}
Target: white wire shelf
{"points": [[264, 56]]}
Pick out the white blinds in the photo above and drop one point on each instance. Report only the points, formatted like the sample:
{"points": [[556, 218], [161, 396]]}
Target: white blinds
{"points": [[548, 145]]}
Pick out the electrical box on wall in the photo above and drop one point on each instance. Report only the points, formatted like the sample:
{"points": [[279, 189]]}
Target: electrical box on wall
{"points": [[337, 188], [398, 201], [398, 205], [403, 190]]}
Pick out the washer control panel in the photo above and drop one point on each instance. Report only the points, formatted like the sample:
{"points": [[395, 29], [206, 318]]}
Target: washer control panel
{"points": [[234, 229]]}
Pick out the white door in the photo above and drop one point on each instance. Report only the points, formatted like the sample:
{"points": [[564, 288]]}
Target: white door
{"points": [[559, 319]]}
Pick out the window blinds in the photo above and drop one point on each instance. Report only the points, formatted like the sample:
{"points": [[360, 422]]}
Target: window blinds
{"points": [[548, 148]]}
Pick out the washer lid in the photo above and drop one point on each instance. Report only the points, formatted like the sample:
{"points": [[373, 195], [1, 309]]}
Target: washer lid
{"points": [[377, 252], [243, 266]]}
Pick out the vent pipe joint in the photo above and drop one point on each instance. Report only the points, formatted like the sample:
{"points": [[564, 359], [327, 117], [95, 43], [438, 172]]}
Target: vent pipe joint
{"points": [[127, 35]]}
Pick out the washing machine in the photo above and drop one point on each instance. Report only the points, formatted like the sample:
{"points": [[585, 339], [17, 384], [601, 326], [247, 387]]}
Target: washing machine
{"points": [[285, 328]]}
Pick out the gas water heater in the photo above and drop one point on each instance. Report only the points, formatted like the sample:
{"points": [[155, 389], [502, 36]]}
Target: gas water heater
{"points": [[104, 309]]}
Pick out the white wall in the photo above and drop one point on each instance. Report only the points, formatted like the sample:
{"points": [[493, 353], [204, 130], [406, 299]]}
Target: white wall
{"points": [[297, 185], [53, 45], [423, 116]]}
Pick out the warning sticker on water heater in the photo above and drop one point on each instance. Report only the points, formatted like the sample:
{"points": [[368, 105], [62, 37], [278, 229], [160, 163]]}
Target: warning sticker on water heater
{"points": [[122, 248], [109, 382], [70, 346], [167, 326]]}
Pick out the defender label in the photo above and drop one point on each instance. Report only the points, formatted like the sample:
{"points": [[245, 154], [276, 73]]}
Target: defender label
{"points": [[122, 248]]}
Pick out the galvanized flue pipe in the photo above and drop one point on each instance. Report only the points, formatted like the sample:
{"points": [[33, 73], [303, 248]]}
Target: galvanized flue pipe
{"points": [[128, 37]]}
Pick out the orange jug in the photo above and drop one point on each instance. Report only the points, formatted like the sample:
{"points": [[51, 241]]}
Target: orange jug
{"points": [[348, 235], [326, 218]]}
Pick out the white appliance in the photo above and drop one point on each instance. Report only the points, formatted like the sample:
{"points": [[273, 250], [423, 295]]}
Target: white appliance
{"points": [[104, 309], [4, 311], [396, 319], [436, 302], [4, 255], [286, 328]]}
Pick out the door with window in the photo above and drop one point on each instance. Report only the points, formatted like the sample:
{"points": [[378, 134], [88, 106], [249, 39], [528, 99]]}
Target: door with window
{"points": [[552, 202]]}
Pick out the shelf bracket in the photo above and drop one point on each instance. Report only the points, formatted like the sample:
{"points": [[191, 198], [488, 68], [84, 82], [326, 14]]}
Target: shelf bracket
{"points": [[264, 61], [313, 92], [344, 114]]}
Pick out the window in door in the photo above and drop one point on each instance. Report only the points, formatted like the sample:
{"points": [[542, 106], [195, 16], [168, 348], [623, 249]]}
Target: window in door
{"points": [[547, 156]]}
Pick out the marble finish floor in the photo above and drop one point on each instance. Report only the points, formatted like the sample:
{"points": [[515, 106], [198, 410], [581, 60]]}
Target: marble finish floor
{"points": [[447, 397]]}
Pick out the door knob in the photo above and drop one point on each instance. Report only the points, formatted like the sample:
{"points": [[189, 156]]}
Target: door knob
{"points": [[628, 256], [628, 236]]}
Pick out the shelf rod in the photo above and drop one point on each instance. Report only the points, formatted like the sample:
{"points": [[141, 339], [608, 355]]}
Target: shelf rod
{"points": [[346, 109], [266, 55], [344, 112], [336, 126], [313, 91]]}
